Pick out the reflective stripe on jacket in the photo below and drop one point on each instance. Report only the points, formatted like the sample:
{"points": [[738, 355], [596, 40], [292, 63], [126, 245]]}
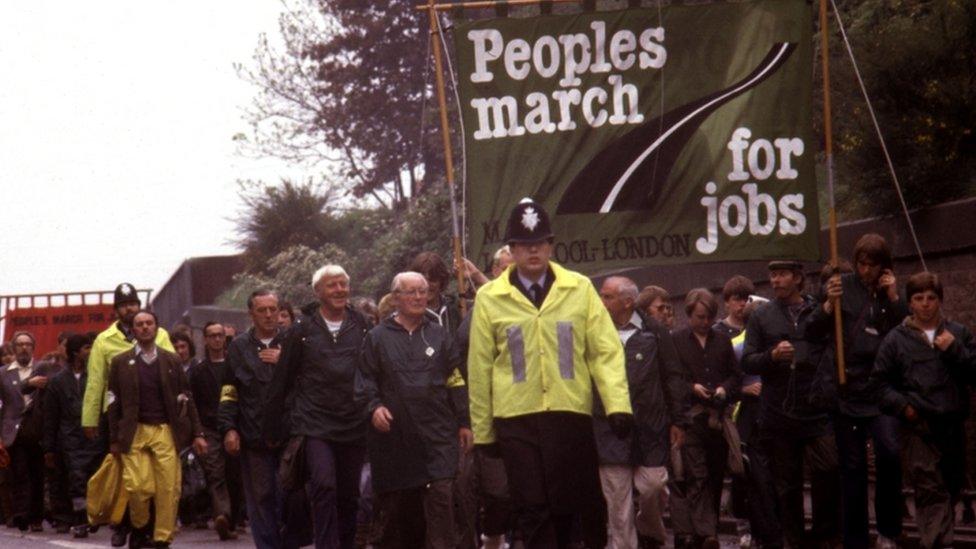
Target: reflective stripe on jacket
{"points": [[524, 360]]}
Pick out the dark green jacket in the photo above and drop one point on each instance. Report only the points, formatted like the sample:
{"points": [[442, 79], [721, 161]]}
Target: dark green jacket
{"points": [[317, 381], [408, 374], [910, 370], [867, 319], [243, 395], [786, 406]]}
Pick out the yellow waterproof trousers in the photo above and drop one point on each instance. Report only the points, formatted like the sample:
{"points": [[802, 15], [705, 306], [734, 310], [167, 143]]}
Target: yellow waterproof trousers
{"points": [[151, 469]]}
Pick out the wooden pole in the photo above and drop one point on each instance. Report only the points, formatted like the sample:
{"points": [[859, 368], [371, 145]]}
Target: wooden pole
{"points": [[832, 215], [448, 155]]}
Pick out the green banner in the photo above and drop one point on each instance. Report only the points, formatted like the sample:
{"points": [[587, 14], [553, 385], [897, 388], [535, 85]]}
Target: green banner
{"points": [[651, 136]]}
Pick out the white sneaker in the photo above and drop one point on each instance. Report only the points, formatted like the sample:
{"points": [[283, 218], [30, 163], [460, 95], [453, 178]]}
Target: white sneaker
{"points": [[745, 541]]}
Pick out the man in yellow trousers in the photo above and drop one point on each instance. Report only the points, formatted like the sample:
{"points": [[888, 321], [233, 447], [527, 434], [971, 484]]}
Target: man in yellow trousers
{"points": [[150, 414]]}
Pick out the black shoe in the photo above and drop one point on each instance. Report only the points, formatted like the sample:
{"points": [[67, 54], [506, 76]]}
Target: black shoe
{"points": [[120, 536], [36, 527], [224, 531], [62, 528], [80, 531], [139, 539], [21, 523], [161, 545]]}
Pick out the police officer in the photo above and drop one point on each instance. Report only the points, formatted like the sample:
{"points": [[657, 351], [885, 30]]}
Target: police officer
{"points": [[540, 339]]}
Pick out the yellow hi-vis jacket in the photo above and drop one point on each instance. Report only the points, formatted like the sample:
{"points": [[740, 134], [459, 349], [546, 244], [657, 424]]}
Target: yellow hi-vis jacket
{"points": [[108, 344], [524, 360]]}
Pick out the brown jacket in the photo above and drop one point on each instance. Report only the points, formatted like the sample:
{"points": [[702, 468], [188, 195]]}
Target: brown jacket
{"points": [[123, 410]]}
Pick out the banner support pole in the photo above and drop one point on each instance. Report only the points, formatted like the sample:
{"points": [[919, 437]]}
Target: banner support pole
{"points": [[448, 155], [832, 213]]}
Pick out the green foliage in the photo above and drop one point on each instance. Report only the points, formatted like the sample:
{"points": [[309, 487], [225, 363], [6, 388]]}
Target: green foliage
{"points": [[372, 245], [918, 61], [276, 218], [289, 273]]}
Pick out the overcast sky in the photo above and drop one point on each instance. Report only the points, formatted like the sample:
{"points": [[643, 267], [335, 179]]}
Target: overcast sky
{"points": [[116, 159]]}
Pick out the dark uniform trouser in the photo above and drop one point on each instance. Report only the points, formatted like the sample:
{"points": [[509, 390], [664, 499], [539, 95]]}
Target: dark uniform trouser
{"points": [[694, 499], [553, 474], [852, 434], [933, 452], [417, 517], [787, 457], [334, 470], [214, 469], [481, 492]]}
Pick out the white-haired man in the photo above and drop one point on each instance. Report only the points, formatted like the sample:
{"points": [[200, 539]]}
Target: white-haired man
{"points": [[317, 378], [403, 379]]}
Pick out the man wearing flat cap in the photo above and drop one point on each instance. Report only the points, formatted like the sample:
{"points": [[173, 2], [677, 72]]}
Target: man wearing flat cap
{"points": [[541, 340], [794, 433]]}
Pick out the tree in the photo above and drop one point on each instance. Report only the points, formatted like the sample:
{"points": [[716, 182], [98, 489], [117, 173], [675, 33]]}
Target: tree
{"points": [[276, 218], [347, 89], [918, 61]]}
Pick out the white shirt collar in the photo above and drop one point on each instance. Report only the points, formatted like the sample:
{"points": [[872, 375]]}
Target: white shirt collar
{"points": [[527, 284], [16, 365], [150, 355]]}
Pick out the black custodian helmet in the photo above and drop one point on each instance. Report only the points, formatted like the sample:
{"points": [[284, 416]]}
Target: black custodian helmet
{"points": [[528, 222]]}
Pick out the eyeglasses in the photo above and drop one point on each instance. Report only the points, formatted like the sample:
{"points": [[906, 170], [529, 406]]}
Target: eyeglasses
{"points": [[416, 292]]}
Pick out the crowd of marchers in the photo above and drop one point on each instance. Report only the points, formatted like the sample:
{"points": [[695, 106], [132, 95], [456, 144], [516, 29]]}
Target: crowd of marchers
{"points": [[539, 411]]}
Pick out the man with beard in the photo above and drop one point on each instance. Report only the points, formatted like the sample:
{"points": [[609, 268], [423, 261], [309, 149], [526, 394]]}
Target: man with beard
{"points": [[794, 433], [22, 438], [540, 340], [64, 440], [318, 380], [151, 414], [115, 339]]}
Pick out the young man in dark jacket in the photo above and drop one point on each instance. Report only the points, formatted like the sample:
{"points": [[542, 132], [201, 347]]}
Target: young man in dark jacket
{"points": [[63, 438], [922, 371], [715, 379], [151, 414], [794, 433], [658, 391], [205, 379], [318, 381], [402, 381], [870, 308]]}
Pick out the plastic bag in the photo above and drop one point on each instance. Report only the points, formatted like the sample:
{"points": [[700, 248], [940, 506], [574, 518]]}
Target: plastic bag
{"points": [[107, 498]]}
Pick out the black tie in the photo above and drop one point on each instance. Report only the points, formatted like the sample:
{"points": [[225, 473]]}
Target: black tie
{"points": [[536, 295]]}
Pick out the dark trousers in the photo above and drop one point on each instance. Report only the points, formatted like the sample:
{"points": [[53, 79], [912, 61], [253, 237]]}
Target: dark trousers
{"points": [[787, 457], [214, 464], [27, 477], [265, 499], [934, 454], [466, 503], [695, 498], [417, 517], [492, 487], [753, 496], [333, 490], [852, 435], [553, 474]]}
